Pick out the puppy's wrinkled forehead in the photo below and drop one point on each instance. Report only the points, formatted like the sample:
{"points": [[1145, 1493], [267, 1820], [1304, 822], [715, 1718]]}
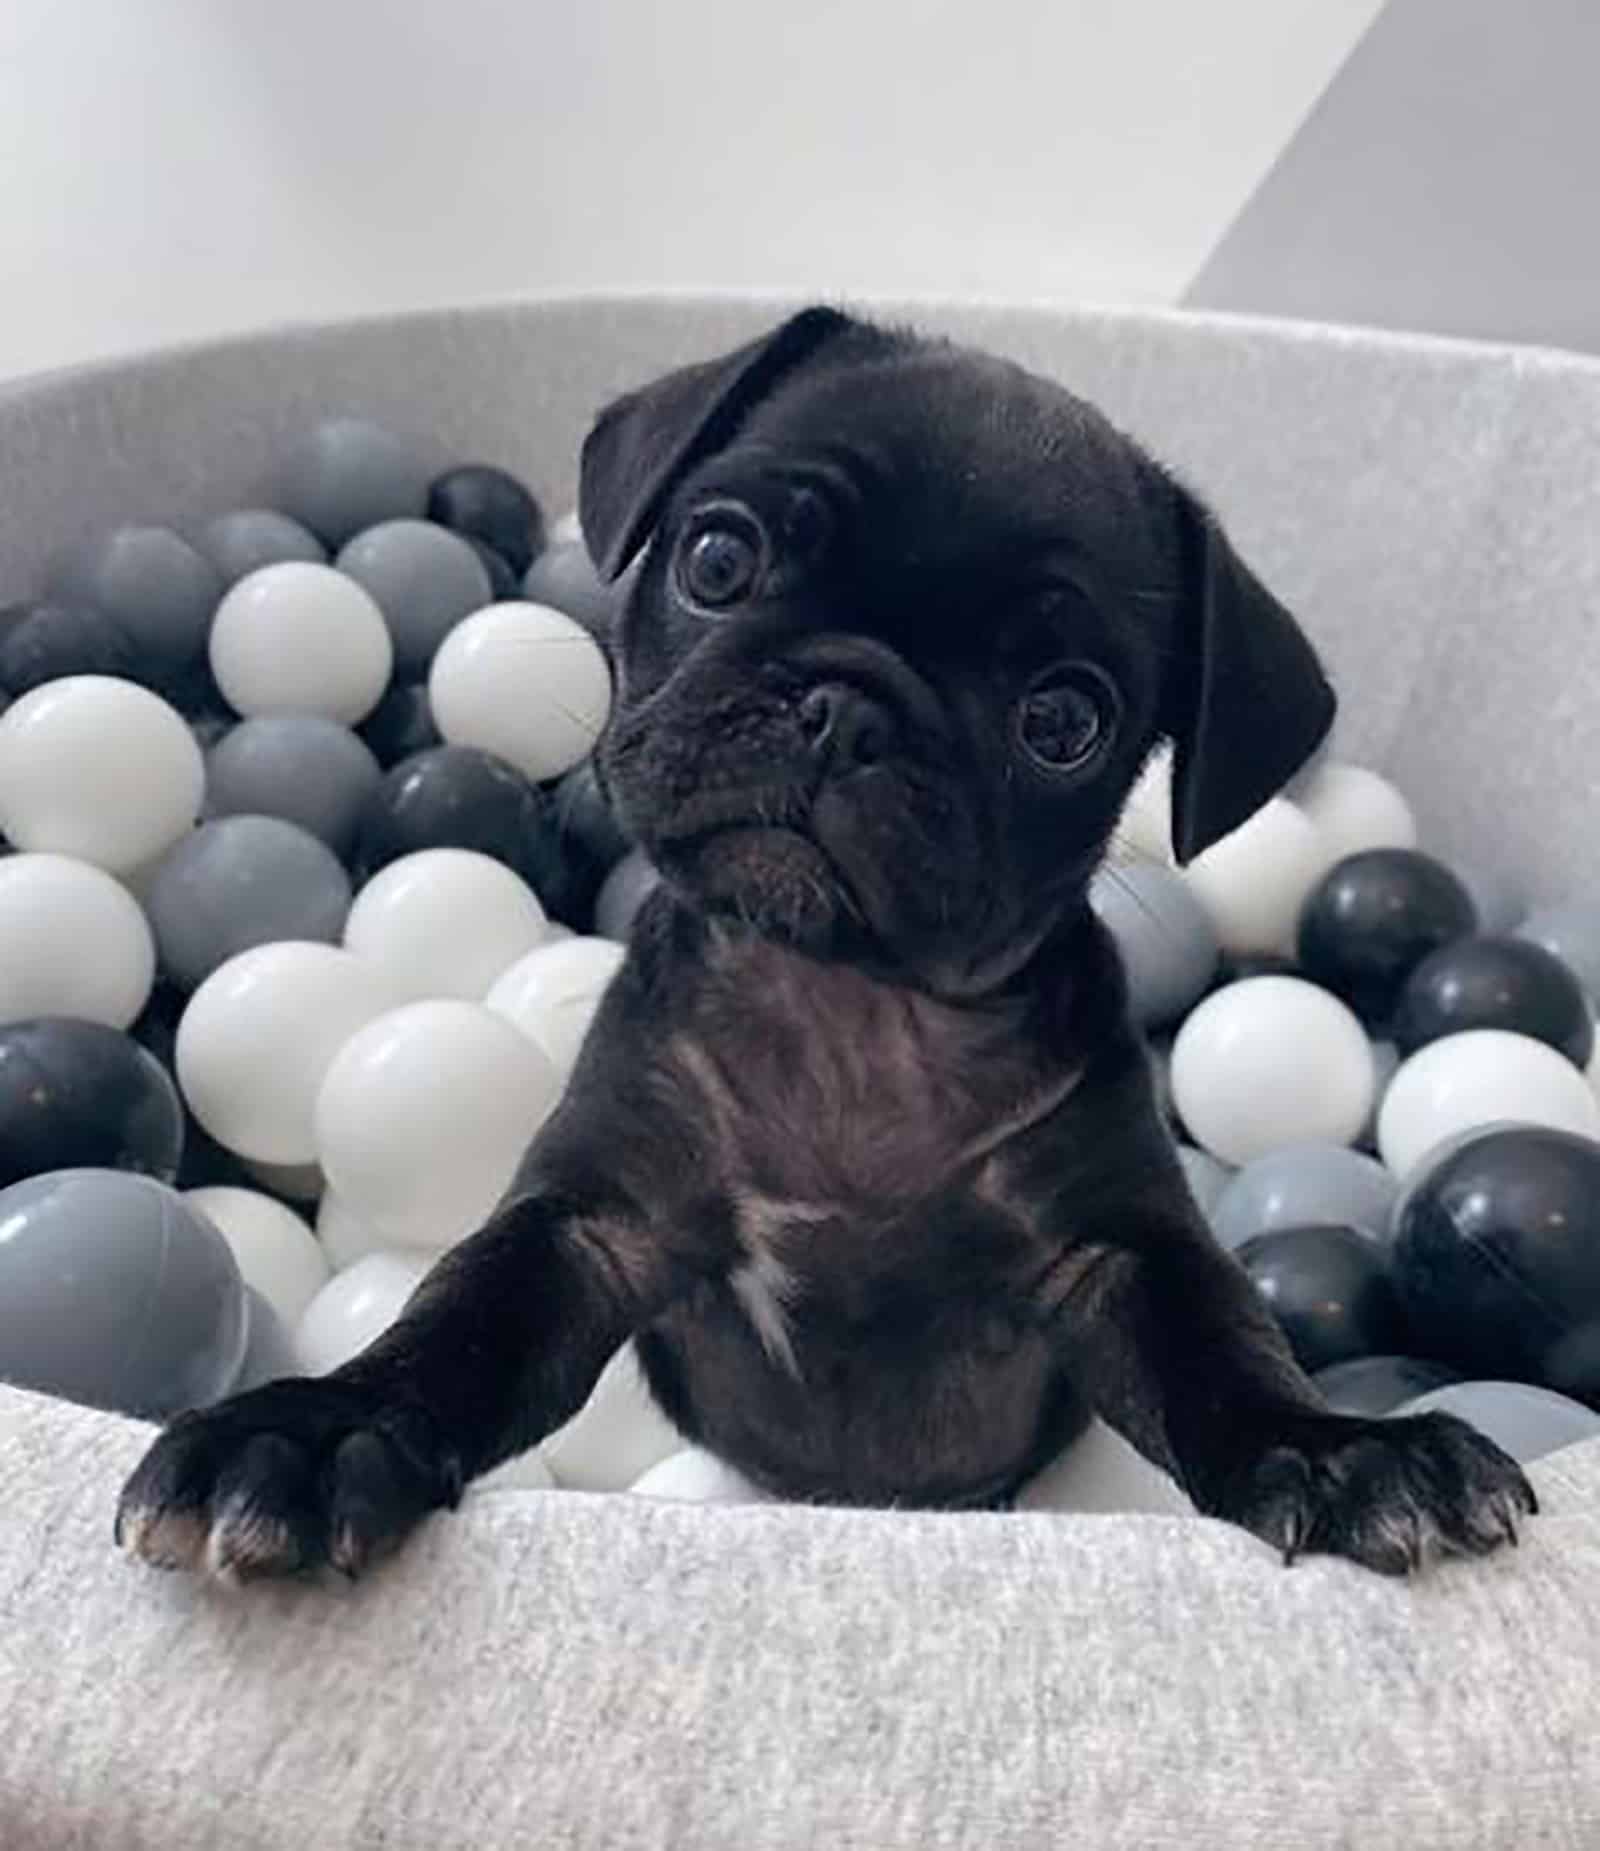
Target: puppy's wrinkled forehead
{"points": [[954, 463]]}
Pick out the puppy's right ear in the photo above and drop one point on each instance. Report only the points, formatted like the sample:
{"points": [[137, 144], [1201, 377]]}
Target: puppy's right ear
{"points": [[643, 443]]}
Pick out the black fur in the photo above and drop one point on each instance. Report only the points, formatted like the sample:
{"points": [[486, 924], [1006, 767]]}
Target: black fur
{"points": [[862, 1147]]}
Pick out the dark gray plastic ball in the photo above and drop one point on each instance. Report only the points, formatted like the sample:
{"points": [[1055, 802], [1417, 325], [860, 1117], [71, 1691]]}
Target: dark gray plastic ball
{"points": [[563, 576], [154, 586], [300, 767], [240, 543], [115, 1293], [423, 578], [349, 474], [239, 882]]}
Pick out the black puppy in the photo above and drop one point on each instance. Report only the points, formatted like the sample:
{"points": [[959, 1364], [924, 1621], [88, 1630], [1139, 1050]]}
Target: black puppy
{"points": [[861, 1147]]}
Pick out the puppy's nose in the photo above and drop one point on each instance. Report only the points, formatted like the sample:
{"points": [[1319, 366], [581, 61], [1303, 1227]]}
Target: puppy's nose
{"points": [[844, 726]]}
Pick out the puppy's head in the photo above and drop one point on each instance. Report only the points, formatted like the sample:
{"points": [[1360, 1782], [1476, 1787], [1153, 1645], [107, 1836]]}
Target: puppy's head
{"points": [[908, 622]]}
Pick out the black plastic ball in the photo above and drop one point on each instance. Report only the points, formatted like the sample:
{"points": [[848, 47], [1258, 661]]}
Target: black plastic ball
{"points": [[1497, 1257], [53, 640], [401, 724], [503, 582], [584, 814], [1330, 1290], [491, 505], [1372, 919], [1372, 1385], [1507, 983], [79, 1095]]}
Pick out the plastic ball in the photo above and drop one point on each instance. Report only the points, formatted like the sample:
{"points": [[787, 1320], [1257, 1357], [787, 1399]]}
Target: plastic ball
{"points": [[343, 1236], [1374, 1385], [1478, 1078], [616, 1436], [1506, 983], [153, 585], [694, 1476], [99, 769], [258, 1037], [1571, 931], [240, 882], [564, 579], [276, 1253], [349, 474], [423, 578], [1205, 1176], [629, 884], [445, 922], [1330, 1290], [1353, 809], [298, 767], [425, 1114], [401, 724], [1254, 882], [1101, 1473], [116, 1294], [1527, 1422], [79, 1095], [1497, 1256], [57, 640], [1305, 1185], [355, 1308], [244, 541], [525, 1471], [457, 797], [504, 583], [490, 505], [1144, 830], [583, 814], [268, 1350], [287, 1182], [552, 994], [1373, 918], [524, 682], [1164, 935], [73, 942], [1268, 1062], [298, 638]]}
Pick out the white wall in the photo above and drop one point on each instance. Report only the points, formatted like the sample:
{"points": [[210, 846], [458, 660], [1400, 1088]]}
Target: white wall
{"points": [[172, 168]]}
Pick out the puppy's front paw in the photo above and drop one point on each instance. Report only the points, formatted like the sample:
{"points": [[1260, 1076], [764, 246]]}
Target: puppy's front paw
{"points": [[283, 1479], [1389, 1494]]}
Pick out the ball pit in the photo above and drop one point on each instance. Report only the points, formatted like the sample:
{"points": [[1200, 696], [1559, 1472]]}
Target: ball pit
{"points": [[329, 756]]}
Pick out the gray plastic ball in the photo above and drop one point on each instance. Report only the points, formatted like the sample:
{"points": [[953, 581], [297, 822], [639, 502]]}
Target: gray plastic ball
{"points": [[240, 543], [116, 1293], [1306, 1185], [563, 576], [1207, 1177], [268, 1353], [239, 882], [1525, 1421], [1168, 943], [625, 890], [1572, 931], [424, 579], [154, 586], [349, 474], [300, 767]]}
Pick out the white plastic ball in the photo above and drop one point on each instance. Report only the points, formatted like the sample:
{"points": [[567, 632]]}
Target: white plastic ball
{"points": [[73, 942], [552, 993], [522, 681], [1101, 1472], [695, 1476], [1271, 1061], [1480, 1077], [526, 1472], [616, 1436], [99, 769], [301, 638], [1144, 830], [1254, 882], [567, 530], [277, 1253], [425, 1114], [343, 1235], [258, 1036], [444, 922], [356, 1307], [1353, 809]]}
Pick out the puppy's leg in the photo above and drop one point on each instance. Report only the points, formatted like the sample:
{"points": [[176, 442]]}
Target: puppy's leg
{"points": [[501, 1343], [1174, 1348]]}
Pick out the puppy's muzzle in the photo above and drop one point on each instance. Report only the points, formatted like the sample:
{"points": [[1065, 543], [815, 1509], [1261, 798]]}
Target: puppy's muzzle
{"points": [[844, 728]]}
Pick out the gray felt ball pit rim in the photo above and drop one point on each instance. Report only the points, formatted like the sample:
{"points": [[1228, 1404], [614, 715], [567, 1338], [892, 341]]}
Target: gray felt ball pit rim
{"points": [[762, 1677]]}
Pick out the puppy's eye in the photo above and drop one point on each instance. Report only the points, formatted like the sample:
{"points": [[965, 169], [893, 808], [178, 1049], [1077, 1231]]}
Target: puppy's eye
{"points": [[1065, 717], [722, 560]]}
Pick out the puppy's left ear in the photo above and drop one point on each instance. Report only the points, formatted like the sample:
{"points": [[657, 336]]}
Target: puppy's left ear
{"points": [[644, 442], [1246, 702]]}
